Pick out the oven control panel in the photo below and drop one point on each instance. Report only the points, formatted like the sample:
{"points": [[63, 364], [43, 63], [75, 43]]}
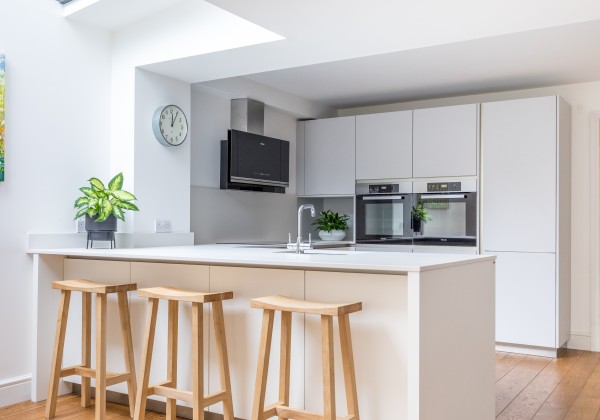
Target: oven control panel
{"points": [[443, 186], [383, 188]]}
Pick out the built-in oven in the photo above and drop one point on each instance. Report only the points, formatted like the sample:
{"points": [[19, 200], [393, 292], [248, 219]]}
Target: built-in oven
{"points": [[448, 211], [383, 213]]}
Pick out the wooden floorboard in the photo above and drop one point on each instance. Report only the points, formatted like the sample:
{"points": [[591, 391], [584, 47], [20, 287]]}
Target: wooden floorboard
{"points": [[527, 387]]}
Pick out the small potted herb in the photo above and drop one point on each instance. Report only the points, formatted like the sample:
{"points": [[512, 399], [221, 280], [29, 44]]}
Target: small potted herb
{"points": [[332, 226], [419, 216], [102, 206]]}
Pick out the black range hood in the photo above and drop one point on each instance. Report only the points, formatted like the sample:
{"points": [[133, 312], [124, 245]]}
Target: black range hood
{"points": [[249, 159], [254, 162]]}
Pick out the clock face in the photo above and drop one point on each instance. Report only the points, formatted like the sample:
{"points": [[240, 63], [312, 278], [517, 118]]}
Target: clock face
{"points": [[170, 125]]}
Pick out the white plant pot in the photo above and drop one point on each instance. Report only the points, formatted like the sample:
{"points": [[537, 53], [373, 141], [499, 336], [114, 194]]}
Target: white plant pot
{"points": [[334, 235]]}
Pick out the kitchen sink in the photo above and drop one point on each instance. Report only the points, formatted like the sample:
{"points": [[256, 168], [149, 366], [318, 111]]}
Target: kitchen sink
{"points": [[311, 252]]}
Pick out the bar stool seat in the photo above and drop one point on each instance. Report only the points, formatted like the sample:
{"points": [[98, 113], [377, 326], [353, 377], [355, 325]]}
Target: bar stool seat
{"points": [[103, 377], [168, 388], [327, 311], [282, 303], [171, 293]]}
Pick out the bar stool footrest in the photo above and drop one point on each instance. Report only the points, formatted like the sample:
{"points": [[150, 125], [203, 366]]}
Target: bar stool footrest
{"points": [[165, 389], [286, 412], [112, 378]]}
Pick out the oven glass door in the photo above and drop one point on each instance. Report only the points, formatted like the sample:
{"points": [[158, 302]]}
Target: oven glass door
{"points": [[382, 216], [453, 218]]}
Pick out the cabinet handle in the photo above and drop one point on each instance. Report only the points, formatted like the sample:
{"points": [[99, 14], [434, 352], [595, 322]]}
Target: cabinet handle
{"points": [[383, 197]]}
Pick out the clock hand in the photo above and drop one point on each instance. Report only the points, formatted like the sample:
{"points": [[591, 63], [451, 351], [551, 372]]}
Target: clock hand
{"points": [[173, 121]]}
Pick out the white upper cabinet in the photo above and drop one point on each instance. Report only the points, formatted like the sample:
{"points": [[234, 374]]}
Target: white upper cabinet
{"points": [[518, 141], [445, 141], [329, 156], [384, 145]]}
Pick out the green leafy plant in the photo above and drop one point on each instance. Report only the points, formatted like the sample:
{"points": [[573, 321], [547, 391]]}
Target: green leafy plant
{"points": [[328, 221], [102, 202], [418, 212]]}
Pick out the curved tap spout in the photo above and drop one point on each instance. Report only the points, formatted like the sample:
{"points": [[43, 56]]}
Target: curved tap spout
{"points": [[300, 210]]}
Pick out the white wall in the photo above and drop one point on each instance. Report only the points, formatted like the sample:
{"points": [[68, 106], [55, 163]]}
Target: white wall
{"points": [[584, 99], [57, 126], [161, 173], [235, 215]]}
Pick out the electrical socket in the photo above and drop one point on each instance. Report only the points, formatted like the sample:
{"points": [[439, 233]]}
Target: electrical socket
{"points": [[80, 225], [162, 226]]}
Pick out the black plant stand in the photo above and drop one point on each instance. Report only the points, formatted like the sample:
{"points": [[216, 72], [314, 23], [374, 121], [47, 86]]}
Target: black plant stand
{"points": [[101, 236]]}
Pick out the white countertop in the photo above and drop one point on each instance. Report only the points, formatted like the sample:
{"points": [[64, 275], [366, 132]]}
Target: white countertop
{"points": [[339, 259]]}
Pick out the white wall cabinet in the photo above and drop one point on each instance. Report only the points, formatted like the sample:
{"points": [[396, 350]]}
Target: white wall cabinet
{"points": [[384, 145], [445, 141], [526, 217], [329, 156], [300, 128]]}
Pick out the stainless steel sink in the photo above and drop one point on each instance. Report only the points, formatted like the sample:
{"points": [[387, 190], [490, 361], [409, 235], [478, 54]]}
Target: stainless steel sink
{"points": [[311, 252]]}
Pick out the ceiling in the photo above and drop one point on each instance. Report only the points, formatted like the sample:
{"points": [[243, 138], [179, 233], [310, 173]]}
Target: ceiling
{"points": [[345, 53]]}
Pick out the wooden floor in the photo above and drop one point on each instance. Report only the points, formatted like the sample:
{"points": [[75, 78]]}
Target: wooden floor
{"points": [[527, 387]]}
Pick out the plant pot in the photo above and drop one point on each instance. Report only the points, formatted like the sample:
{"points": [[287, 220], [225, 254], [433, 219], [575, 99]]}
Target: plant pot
{"points": [[417, 225], [334, 235], [109, 225]]}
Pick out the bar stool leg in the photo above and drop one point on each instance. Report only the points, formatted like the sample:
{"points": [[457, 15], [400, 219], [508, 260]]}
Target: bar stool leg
{"points": [[348, 363], [142, 392], [128, 348], [172, 356], [262, 371], [328, 367], [101, 314], [198, 360], [221, 341], [284, 359], [59, 340], [86, 347]]}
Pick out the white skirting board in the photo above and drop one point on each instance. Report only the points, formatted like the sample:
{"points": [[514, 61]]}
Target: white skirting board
{"points": [[15, 390]]}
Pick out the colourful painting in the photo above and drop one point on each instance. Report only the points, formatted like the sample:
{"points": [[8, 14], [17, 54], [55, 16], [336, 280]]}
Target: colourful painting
{"points": [[2, 87]]}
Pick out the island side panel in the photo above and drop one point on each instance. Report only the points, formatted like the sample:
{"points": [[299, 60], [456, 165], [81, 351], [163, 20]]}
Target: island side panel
{"points": [[455, 320], [46, 269], [182, 276], [379, 341], [109, 272], [243, 329]]}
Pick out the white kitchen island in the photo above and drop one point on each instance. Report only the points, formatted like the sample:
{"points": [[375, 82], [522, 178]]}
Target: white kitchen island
{"points": [[423, 343]]}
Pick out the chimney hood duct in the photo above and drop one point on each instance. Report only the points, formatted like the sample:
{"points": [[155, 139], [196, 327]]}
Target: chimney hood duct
{"points": [[248, 115]]}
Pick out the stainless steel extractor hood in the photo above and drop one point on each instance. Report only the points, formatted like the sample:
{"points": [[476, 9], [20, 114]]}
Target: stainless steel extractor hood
{"points": [[248, 115]]}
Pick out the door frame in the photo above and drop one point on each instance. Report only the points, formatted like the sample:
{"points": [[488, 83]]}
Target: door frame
{"points": [[595, 230]]}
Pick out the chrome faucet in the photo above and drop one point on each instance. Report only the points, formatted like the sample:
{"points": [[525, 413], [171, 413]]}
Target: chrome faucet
{"points": [[298, 246]]}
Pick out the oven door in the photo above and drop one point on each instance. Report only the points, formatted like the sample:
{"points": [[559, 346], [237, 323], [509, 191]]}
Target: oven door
{"points": [[383, 218], [453, 219]]}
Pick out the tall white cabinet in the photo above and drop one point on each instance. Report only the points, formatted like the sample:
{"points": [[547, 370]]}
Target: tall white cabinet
{"points": [[525, 217]]}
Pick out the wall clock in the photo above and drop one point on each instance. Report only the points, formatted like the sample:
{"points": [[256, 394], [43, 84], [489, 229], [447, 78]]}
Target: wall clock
{"points": [[170, 125]]}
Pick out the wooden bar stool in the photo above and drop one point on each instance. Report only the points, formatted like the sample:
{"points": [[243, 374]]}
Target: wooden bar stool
{"points": [[327, 311], [102, 376], [168, 388]]}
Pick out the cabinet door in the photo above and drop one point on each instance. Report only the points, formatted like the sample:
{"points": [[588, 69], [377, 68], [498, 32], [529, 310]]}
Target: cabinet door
{"points": [[329, 156], [384, 145], [518, 142], [525, 299], [445, 141], [300, 126], [243, 329], [379, 341]]}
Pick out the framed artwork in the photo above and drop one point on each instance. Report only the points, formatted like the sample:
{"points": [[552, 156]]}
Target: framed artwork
{"points": [[2, 106]]}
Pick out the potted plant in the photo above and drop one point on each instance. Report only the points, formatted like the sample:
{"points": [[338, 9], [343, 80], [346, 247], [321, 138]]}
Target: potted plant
{"points": [[102, 206], [332, 226], [419, 216]]}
